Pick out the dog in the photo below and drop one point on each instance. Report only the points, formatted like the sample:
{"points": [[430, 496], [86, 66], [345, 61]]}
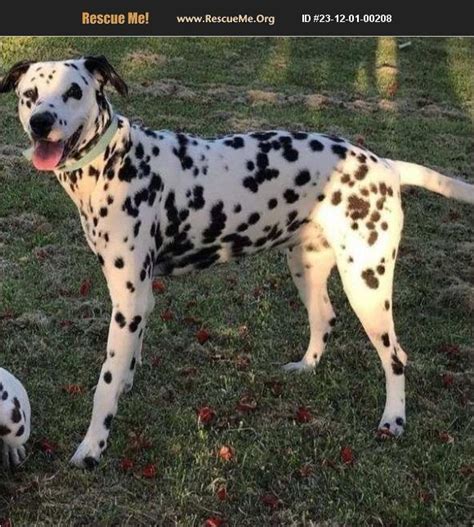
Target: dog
{"points": [[15, 415], [163, 203]]}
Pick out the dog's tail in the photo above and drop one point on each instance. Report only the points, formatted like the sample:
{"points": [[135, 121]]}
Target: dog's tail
{"points": [[419, 176]]}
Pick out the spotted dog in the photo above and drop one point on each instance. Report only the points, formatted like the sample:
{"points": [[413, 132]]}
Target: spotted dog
{"points": [[163, 203], [14, 419]]}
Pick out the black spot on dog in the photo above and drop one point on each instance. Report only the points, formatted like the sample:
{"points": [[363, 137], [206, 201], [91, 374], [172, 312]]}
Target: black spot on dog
{"points": [[120, 319], [4, 430], [20, 431], [290, 195], [217, 225], [135, 323], [107, 377], [251, 184], [119, 263], [272, 203], [316, 146], [340, 151], [235, 142], [16, 415], [397, 365], [386, 340], [302, 178]]}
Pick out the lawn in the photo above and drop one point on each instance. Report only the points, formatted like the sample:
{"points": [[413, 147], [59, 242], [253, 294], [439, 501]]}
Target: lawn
{"points": [[301, 450]]}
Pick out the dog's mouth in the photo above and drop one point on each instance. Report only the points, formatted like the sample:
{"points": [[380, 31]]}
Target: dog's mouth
{"points": [[48, 155]]}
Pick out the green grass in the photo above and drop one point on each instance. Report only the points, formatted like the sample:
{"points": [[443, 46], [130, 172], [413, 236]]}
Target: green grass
{"points": [[414, 104]]}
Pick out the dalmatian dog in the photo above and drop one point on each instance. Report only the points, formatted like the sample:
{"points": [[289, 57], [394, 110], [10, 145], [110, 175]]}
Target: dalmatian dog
{"points": [[163, 203], [15, 416]]}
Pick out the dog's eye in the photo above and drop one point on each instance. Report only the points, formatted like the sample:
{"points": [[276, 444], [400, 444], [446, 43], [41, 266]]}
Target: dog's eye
{"points": [[32, 94], [74, 92]]}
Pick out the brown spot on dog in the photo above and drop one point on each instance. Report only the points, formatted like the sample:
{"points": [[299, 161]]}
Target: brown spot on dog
{"points": [[373, 237], [361, 172], [359, 207], [336, 198], [370, 279]]}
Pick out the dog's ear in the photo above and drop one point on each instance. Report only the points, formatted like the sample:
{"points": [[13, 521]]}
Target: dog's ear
{"points": [[101, 68], [12, 78]]}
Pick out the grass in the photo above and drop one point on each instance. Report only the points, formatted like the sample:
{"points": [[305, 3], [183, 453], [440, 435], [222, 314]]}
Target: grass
{"points": [[414, 104]]}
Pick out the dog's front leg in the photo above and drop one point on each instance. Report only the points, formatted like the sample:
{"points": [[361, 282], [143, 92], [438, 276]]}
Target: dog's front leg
{"points": [[132, 301]]}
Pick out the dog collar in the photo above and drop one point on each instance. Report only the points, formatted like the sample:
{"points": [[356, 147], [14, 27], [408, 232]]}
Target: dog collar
{"points": [[92, 154]]}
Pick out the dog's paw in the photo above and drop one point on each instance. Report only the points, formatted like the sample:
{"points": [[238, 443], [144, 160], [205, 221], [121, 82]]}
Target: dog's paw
{"points": [[391, 427], [87, 455], [12, 456], [299, 366]]}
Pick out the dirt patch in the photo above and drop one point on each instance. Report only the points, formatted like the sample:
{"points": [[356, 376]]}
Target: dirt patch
{"points": [[27, 221], [457, 294], [262, 97], [245, 125], [145, 58], [165, 88], [35, 318]]}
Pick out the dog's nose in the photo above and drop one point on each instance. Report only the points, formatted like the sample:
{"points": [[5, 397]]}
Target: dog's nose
{"points": [[41, 124]]}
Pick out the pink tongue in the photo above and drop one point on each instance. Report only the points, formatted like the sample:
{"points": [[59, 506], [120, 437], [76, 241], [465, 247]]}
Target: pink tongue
{"points": [[46, 155]]}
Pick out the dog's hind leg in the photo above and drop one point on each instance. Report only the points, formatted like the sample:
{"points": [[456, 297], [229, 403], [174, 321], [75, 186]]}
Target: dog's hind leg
{"points": [[310, 266], [366, 263]]}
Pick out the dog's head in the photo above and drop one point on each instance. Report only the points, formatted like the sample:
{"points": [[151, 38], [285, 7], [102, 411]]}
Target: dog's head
{"points": [[62, 105]]}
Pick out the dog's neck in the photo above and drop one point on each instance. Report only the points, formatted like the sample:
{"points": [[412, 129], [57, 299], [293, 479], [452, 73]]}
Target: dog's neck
{"points": [[81, 183], [95, 128]]}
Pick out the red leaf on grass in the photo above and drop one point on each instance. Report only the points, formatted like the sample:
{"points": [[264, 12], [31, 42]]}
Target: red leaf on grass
{"points": [[347, 455], [155, 362], [192, 321], [444, 437], [149, 471], [303, 415], [424, 496], [305, 470], [158, 286], [5, 522], [65, 323], [214, 521], [447, 379], [167, 315], [202, 336], [41, 254], [246, 404], [85, 287], [205, 414], [8, 314], [466, 470], [276, 387], [126, 464], [242, 361], [73, 389], [270, 500], [222, 493], [138, 441], [328, 463], [226, 452], [451, 350], [48, 447], [360, 140]]}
